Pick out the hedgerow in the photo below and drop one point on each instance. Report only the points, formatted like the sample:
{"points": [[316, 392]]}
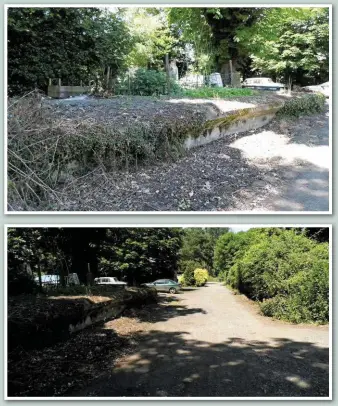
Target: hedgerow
{"points": [[287, 273]]}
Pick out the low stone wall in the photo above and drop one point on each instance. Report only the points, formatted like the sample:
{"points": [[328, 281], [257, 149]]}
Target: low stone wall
{"points": [[235, 122], [37, 322], [113, 308]]}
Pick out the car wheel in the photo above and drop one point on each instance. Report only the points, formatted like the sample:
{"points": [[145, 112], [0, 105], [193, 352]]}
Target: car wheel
{"points": [[172, 290]]}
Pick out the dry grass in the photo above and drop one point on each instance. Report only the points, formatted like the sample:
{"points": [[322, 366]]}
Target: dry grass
{"points": [[49, 150], [34, 158]]}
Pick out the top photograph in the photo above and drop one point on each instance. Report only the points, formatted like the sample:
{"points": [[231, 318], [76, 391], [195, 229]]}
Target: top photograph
{"points": [[219, 110]]}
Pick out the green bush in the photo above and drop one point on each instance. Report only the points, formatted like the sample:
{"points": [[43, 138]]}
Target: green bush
{"points": [[189, 277], [146, 83], [267, 266], [288, 274], [231, 247], [201, 276], [233, 277], [187, 268], [181, 280], [304, 105]]}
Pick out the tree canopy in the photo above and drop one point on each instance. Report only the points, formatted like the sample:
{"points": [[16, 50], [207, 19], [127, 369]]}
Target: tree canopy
{"points": [[289, 42], [135, 255], [74, 44]]}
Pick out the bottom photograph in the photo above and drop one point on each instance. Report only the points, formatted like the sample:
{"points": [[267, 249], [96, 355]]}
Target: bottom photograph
{"points": [[179, 312]]}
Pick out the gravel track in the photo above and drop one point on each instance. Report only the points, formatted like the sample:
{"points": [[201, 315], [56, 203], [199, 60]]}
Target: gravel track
{"points": [[212, 343]]}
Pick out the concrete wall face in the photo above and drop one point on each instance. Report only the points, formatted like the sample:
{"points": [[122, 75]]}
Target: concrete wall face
{"points": [[239, 126]]}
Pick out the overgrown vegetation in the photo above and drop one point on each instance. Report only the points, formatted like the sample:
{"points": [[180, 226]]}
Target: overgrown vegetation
{"points": [[303, 105], [135, 51], [284, 270], [46, 149], [146, 83]]}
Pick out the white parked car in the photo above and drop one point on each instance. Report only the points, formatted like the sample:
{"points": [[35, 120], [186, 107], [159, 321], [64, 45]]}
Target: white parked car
{"points": [[262, 84], [108, 281], [324, 89]]}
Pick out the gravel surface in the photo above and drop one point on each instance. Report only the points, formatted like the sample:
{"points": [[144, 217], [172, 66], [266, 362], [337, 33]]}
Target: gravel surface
{"points": [[210, 342], [283, 166], [202, 342]]}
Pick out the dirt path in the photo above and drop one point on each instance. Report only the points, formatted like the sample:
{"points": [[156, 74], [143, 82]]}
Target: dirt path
{"points": [[210, 342], [283, 166], [302, 152]]}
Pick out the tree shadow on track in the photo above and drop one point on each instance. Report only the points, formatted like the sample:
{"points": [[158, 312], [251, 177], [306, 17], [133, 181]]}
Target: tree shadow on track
{"points": [[172, 365], [166, 308]]}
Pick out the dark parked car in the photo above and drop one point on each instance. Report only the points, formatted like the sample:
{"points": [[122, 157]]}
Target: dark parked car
{"points": [[165, 285]]}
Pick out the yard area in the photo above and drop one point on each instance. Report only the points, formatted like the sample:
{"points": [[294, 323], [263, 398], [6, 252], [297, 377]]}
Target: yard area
{"points": [[138, 163], [202, 342], [222, 176]]}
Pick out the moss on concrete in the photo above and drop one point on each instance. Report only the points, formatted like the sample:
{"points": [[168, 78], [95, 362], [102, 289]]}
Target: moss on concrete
{"points": [[223, 123]]}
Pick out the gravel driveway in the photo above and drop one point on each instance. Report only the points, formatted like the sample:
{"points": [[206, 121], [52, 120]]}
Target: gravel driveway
{"points": [[212, 343]]}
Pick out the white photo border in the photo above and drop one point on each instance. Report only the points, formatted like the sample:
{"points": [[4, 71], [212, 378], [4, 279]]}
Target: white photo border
{"points": [[184, 225], [157, 213]]}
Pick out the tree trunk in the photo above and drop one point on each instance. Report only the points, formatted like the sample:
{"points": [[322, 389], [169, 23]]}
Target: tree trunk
{"points": [[62, 275], [231, 72], [167, 71], [39, 276], [288, 79], [108, 77]]}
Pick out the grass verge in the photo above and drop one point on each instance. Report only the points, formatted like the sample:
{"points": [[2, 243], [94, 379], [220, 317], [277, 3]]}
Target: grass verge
{"points": [[217, 92]]}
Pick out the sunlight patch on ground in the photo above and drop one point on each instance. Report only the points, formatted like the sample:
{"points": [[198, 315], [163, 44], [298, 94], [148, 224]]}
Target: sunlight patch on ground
{"points": [[223, 105], [268, 145], [191, 378], [298, 381], [233, 363], [321, 365]]}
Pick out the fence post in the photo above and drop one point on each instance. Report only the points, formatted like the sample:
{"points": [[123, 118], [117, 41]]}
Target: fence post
{"points": [[89, 276]]}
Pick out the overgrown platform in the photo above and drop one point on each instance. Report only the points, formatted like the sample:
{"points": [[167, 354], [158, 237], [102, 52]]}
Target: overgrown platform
{"points": [[53, 143]]}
